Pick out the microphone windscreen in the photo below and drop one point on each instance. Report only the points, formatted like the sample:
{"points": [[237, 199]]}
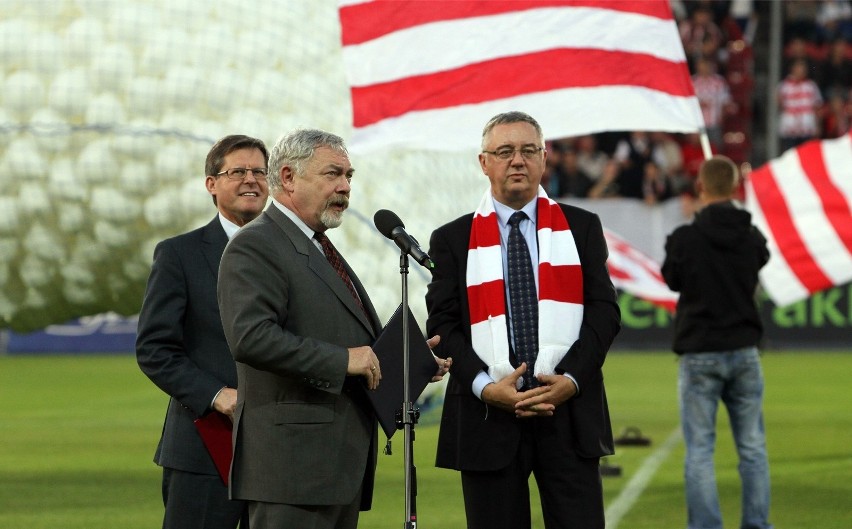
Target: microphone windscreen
{"points": [[386, 221]]}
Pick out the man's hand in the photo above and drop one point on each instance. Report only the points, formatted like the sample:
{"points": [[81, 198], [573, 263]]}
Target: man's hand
{"points": [[443, 364], [364, 362], [556, 389], [226, 402], [504, 394]]}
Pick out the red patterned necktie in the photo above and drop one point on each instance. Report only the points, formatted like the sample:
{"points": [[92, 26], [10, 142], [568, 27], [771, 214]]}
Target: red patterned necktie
{"points": [[337, 263]]}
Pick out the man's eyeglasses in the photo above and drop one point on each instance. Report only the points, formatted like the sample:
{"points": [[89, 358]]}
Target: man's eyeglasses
{"points": [[239, 173], [507, 153]]}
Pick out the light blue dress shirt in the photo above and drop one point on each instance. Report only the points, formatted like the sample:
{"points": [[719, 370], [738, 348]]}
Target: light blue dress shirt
{"points": [[529, 231]]}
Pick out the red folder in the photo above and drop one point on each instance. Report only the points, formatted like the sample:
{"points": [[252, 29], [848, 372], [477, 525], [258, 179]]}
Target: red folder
{"points": [[215, 430]]}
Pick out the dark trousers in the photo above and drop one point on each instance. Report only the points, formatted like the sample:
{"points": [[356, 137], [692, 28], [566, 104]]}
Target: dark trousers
{"points": [[199, 501], [283, 516], [569, 486]]}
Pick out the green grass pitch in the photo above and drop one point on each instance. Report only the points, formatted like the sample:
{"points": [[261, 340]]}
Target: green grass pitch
{"points": [[77, 434]]}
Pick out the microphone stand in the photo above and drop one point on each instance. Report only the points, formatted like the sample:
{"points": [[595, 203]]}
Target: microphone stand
{"points": [[407, 417]]}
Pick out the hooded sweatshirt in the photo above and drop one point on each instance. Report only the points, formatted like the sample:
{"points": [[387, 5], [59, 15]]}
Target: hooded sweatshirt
{"points": [[713, 262]]}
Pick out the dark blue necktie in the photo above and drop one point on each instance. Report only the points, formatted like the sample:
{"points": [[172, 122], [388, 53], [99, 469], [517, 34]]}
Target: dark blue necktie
{"points": [[523, 298]]}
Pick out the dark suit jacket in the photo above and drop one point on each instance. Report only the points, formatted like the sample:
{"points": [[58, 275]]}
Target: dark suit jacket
{"points": [[180, 344], [475, 437], [304, 432]]}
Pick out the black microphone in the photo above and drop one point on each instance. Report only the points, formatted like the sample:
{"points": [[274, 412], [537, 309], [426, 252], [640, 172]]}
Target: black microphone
{"points": [[392, 227]]}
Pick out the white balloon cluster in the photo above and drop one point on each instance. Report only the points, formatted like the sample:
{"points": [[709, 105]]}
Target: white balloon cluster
{"points": [[107, 110]]}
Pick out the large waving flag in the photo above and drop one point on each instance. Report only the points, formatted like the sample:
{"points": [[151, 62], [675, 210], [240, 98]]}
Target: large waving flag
{"points": [[802, 201], [635, 273], [429, 74]]}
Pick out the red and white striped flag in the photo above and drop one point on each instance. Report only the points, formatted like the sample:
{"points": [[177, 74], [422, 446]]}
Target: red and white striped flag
{"points": [[635, 273], [429, 74], [802, 202]]}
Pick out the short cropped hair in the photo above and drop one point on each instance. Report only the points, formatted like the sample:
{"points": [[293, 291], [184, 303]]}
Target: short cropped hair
{"points": [[719, 176], [506, 118], [295, 148]]}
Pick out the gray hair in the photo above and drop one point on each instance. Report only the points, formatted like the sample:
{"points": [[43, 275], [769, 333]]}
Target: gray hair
{"points": [[506, 118], [297, 147]]}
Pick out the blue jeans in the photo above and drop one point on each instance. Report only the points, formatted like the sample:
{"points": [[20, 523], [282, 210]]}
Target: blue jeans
{"points": [[735, 378]]}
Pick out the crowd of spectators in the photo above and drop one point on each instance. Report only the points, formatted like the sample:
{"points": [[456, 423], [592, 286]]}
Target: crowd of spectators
{"points": [[656, 166], [815, 96], [650, 166], [717, 35]]}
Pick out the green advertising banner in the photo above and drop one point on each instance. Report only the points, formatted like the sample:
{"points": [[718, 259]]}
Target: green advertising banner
{"points": [[823, 321]]}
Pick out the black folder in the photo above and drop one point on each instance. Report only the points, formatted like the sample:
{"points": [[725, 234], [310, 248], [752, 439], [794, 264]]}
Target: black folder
{"points": [[388, 398]]}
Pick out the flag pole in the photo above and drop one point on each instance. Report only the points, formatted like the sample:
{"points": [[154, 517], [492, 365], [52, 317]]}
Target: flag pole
{"points": [[705, 143]]}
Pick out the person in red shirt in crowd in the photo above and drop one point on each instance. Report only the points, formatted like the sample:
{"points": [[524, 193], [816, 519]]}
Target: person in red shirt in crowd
{"points": [[714, 96], [799, 99]]}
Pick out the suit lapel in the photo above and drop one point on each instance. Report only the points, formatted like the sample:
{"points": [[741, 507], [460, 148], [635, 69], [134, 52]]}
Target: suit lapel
{"points": [[214, 238], [320, 266]]}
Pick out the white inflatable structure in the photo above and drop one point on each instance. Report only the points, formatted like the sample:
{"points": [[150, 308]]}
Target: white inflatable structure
{"points": [[107, 110]]}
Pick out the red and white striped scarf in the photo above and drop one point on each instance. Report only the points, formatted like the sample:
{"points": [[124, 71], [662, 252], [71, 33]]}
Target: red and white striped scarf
{"points": [[560, 288]]}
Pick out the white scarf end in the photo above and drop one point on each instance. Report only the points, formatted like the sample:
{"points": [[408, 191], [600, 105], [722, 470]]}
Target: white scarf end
{"points": [[548, 358]]}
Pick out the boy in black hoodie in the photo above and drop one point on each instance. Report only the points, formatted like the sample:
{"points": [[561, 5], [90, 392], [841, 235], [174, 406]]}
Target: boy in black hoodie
{"points": [[714, 262]]}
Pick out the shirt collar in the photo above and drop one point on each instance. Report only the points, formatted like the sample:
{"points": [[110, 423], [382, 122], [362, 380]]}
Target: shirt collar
{"points": [[504, 212], [309, 233], [229, 227]]}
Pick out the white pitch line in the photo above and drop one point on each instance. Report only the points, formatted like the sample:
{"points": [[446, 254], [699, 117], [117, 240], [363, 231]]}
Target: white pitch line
{"points": [[629, 494]]}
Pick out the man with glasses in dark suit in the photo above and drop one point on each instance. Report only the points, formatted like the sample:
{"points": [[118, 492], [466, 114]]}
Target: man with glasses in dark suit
{"points": [[521, 298], [180, 345]]}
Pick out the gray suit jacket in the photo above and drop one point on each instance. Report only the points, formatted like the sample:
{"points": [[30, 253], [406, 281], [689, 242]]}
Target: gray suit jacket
{"points": [[180, 345], [304, 433]]}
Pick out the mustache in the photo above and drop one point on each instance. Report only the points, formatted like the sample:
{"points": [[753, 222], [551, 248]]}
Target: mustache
{"points": [[338, 201]]}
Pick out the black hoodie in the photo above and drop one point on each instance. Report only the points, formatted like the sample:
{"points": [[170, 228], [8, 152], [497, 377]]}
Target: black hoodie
{"points": [[713, 262]]}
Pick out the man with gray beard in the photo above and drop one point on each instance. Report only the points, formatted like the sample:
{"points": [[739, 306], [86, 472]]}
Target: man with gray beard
{"points": [[299, 325]]}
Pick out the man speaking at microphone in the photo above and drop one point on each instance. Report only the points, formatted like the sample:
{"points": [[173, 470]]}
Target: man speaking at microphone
{"points": [[299, 324], [521, 298]]}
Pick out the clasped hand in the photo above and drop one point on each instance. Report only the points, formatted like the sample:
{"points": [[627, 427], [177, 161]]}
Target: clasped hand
{"points": [[536, 402]]}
